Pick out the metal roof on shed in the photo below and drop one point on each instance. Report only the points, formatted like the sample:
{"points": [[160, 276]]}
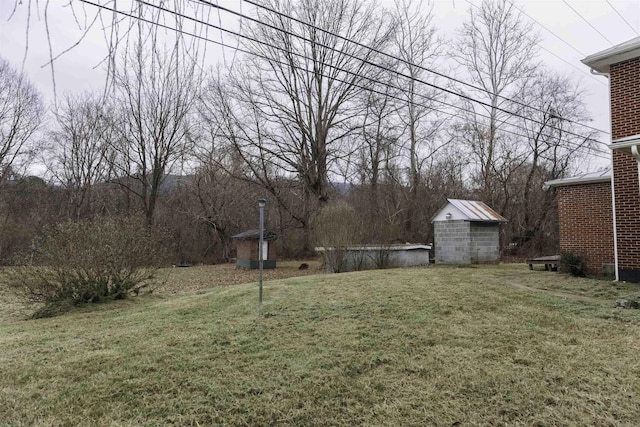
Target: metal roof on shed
{"points": [[473, 210], [476, 210]]}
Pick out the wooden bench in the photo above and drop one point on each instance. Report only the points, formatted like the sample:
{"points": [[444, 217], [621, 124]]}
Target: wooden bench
{"points": [[550, 262]]}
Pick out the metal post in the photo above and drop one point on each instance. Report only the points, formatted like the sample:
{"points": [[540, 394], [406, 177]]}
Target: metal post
{"points": [[261, 204]]}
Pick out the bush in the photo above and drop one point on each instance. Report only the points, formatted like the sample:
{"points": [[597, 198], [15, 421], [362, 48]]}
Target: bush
{"points": [[336, 227], [572, 263], [382, 258], [74, 263]]}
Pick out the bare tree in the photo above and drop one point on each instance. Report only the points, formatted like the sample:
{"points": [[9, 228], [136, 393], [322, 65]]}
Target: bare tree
{"points": [[418, 48], [293, 101], [155, 92], [380, 131], [167, 20], [21, 113], [218, 196], [82, 149], [555, 141], [497, 49]]}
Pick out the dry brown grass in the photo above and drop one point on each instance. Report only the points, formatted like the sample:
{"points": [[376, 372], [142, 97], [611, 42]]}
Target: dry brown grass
{"points": [[201, 277], [421, 346]]}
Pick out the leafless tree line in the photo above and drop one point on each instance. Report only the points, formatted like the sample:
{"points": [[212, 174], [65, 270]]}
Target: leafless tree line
{"points": [[307, 116]]}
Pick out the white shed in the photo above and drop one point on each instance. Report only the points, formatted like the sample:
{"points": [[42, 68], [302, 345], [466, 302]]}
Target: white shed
{"points": [[466, 232], [366, 257]]}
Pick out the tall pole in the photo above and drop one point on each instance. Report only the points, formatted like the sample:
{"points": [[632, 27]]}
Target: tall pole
{"points": [[261, 204]]}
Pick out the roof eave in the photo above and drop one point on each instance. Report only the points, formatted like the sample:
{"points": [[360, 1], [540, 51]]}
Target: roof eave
{"points": [[576, 181], [626, 144], [602, 61]]}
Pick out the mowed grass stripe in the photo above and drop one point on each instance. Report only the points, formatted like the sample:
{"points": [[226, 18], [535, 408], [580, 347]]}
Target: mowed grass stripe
{"points": [[429, 346]]}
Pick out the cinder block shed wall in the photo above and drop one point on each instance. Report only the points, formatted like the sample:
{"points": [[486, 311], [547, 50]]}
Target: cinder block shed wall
{"points": [[625, 122], [452, 242], [466, 242], [485, 242], [585, 219]]}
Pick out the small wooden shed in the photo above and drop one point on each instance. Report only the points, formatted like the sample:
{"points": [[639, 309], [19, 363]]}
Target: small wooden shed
{"points": [[466, 232], [248, 246]]}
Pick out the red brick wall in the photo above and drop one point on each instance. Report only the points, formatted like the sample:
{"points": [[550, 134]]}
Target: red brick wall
{"points": [[625, 98], [586, 223], [627, 210], [625, 121], [243, 249]]}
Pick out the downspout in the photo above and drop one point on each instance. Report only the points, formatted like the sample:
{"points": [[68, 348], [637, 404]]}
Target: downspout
{"points": [[613, 191], [635, 152], [615, 229]]}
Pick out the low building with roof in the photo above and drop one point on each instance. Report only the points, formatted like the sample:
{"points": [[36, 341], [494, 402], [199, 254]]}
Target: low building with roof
{"points": [[585, 219], [248, 247], [368, 257], [466, 232]]}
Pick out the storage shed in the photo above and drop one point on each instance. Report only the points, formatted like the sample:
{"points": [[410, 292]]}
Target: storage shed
{"points": [[367, 257], [466, 232], [247, 249]]}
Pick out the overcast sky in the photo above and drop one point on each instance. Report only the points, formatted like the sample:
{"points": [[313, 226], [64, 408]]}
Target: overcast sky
{"points": [[570, 30]]}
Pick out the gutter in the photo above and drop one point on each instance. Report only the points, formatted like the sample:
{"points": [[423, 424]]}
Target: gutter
{"points": [[598, 73]]}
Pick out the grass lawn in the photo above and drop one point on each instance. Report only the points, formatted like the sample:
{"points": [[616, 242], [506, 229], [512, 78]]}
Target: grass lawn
{"points": [[443, 346]]}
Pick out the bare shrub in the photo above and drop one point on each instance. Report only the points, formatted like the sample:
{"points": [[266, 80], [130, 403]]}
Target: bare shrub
{"points": [[572, 263], [89, 261], [382, 258], [336, 227]]}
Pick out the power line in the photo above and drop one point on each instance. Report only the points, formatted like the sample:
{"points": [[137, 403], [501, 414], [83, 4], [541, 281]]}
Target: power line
{"points": [[336, 68], [521, 10], [589, 23], [377, 51], [571, 64], [591, 76], [469, 98], [623, 18], [461, 95]]}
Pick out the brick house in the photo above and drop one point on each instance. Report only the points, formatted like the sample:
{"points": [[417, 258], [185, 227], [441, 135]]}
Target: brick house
{"points": [[585, 218], [621, 64]]}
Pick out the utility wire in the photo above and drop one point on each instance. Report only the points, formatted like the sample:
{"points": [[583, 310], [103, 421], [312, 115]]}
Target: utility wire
{"points": [[571, 64], [342, 81], [377, 51], [521, 10], [577, 145], [589, 23], [623, 18], [376, 65]]}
